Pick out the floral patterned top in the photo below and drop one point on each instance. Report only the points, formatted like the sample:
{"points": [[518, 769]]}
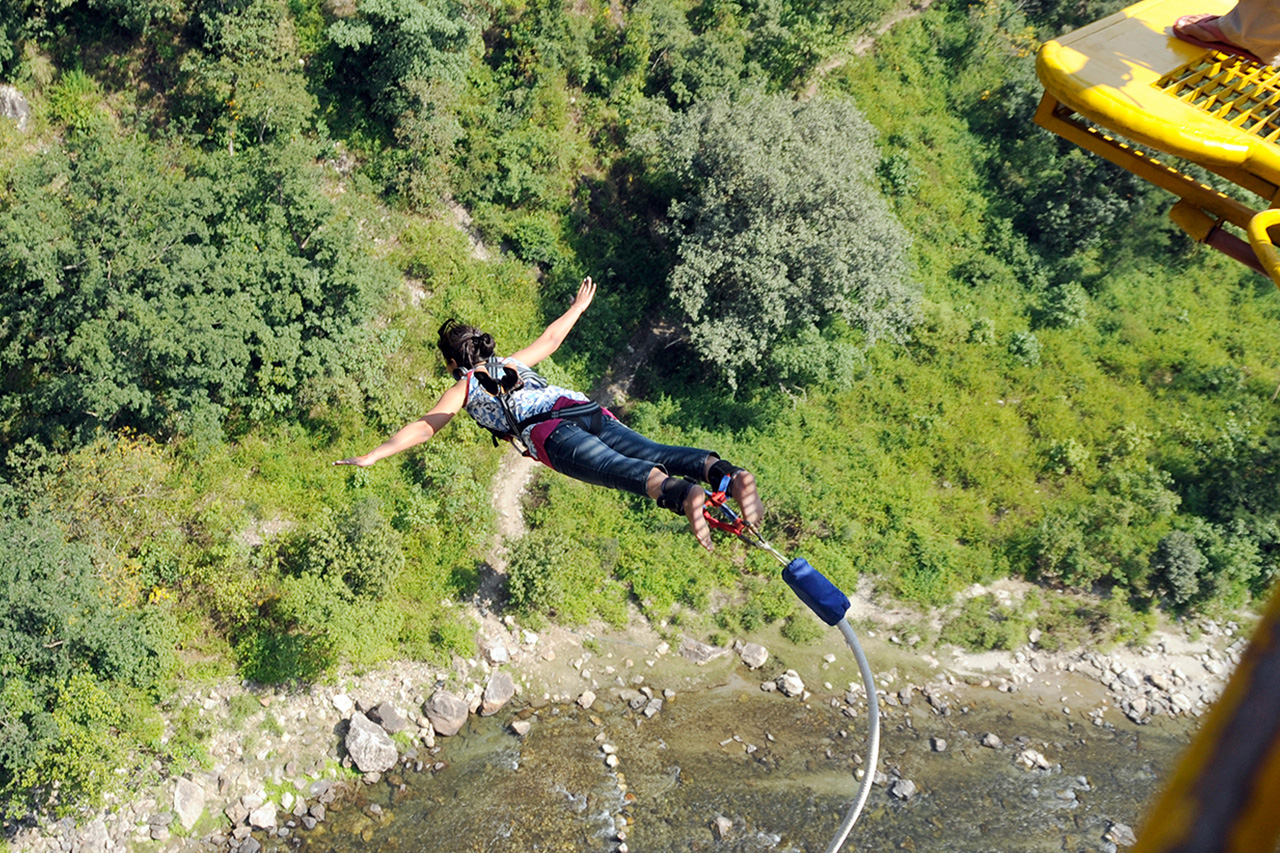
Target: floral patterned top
{"points": [[534, 398]]}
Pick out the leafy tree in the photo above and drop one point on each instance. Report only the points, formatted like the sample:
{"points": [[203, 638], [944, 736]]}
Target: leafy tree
{"points": [[1025, 348], [68, 659], [716, 48], [138, 290], [244, 82], [1229, 562], [1067, 307], [12, 28], [520, 145], [780, 227], [1110, 535], [389, 44], [1176, 565]]}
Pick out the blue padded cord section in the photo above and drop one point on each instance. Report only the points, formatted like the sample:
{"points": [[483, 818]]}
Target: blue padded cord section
{"points": [[812, 587]]}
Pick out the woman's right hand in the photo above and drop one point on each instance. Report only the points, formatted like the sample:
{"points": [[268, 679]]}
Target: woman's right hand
{"points": [[586, 291]]}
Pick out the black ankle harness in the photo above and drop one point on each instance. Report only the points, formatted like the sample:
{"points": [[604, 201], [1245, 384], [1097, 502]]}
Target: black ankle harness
{"points": [[674, 492], [721, 475]]}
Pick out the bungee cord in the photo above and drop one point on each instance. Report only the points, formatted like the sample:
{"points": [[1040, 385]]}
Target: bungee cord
{"points": [[830, 605]]}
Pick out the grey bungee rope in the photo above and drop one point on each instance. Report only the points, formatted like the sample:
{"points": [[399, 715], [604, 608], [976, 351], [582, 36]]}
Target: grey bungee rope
{"points": [[830, 605], [873, 738]]}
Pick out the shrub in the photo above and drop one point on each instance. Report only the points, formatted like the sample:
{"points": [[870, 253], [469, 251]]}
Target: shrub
{"points": [[1176, 565], [984, 623], [982, 332], [1025, 348], [71, 662], [76, 102], [802, 629], [358, 550], [1066, 457], [1067, 307], [548, 573], [532, 577], [780, 227]]}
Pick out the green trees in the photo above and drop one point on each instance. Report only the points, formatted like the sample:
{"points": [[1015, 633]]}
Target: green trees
{"points": [[403, 64], [712, 48], [243, 81], [390, 44], [69, 661], [143, 291], [780, 227]]}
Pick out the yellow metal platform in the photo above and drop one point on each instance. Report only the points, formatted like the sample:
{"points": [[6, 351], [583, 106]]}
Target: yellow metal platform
{"points": [[1125, 83], [1119, 88]]}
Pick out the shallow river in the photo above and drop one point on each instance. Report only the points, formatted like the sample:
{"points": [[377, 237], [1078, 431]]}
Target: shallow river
{"points": [[784, 783]]}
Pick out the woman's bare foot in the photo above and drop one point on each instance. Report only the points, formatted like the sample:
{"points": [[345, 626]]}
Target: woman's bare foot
{"points": [[693, 504], [1202, 30], [742, 488], [1203, 27]]}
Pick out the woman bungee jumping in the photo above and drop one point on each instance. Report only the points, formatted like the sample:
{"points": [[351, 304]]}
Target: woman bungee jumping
{"points": [[564, 429]]}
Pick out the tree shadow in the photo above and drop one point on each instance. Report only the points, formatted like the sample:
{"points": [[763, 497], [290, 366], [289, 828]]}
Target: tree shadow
{"points": [[275, 654]]}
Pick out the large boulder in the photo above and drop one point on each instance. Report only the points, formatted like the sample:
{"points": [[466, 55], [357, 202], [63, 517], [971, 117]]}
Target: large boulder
{"points": [[754, 655], [264, 816], [389, 717], [188, 802], [370, 747], [447, 712], [13, 105], [699, 652], [497, 693], [790, 684], [903, 789]]}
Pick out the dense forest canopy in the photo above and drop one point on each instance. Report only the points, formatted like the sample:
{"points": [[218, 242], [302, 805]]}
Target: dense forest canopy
{"points": [[951, 347]]}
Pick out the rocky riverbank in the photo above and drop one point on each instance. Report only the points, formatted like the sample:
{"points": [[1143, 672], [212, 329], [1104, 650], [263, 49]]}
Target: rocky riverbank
{"points": [[280, 758]]}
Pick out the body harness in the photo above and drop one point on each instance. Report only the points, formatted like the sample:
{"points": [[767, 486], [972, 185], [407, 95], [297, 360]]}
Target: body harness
{"points": [[502, 380]]}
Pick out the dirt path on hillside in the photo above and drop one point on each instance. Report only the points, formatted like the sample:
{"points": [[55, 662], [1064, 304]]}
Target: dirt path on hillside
{"points": [[860, 46], [516, 472]]}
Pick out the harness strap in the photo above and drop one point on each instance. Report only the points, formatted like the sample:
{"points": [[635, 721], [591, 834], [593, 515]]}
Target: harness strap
{"points": [[674, 492], [721, 475], [580, 410], [500, 380]]}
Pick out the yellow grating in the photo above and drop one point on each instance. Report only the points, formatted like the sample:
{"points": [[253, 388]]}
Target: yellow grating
{"points": [[1244, 94]]}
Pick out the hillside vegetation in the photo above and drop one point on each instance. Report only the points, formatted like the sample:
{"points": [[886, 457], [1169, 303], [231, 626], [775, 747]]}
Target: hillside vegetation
{"points": [[951, 347]]}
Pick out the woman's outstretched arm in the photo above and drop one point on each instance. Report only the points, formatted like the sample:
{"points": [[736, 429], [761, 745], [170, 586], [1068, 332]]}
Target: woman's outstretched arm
{"points": [[551, 339], [415, 432]]}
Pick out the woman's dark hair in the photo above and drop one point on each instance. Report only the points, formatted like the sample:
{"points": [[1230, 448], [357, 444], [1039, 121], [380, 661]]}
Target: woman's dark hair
{"points": [[466, 345]]}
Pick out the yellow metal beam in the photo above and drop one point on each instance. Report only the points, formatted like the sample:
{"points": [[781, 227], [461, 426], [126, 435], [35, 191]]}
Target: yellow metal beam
{"points": [[1056, 117], [1225, 794]]}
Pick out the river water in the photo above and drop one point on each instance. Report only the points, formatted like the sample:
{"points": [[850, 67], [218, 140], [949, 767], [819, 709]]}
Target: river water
{"points": [[780, 770]]}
